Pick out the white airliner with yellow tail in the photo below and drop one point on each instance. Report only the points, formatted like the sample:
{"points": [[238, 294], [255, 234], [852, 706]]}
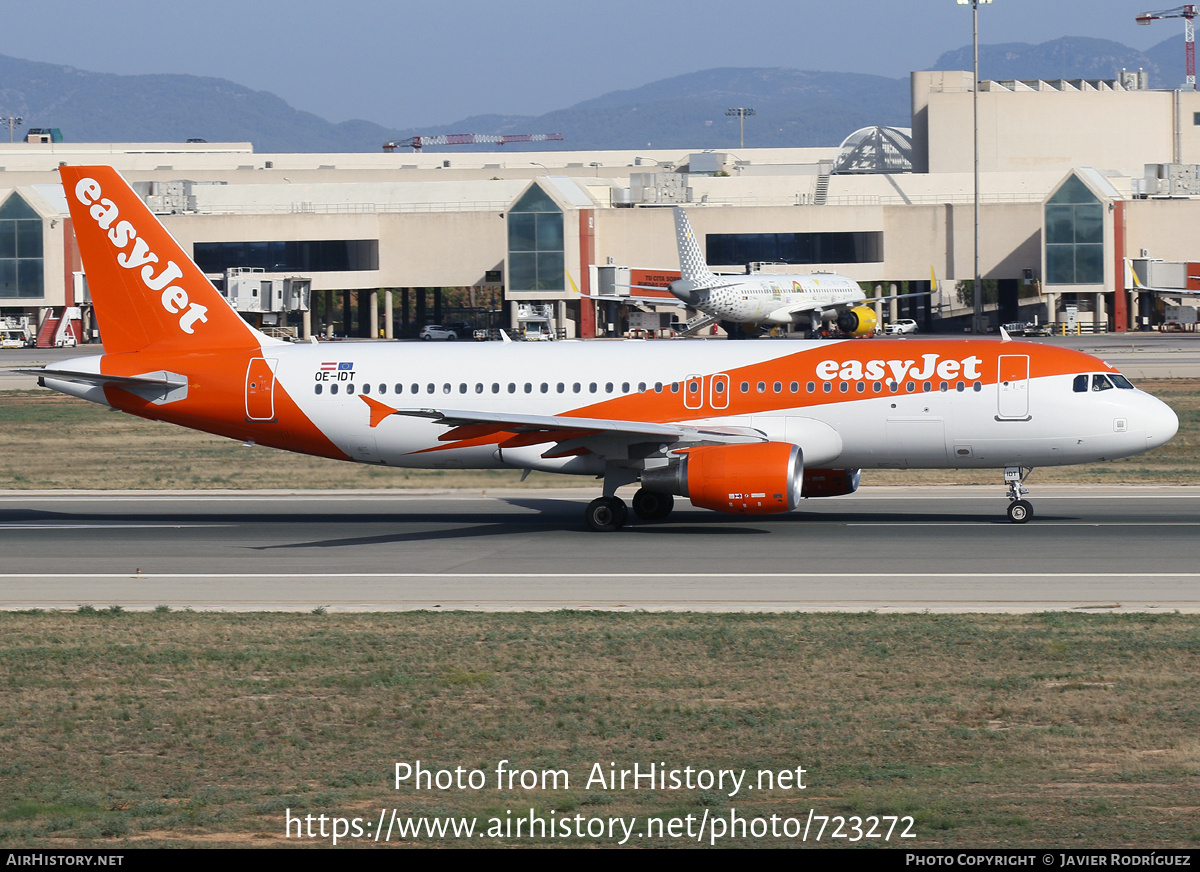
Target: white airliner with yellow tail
{"points": [[739, 427], [812, 298]]}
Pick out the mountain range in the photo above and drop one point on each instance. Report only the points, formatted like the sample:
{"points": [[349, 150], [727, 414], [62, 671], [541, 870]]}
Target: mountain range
{"points": [[795, 108]]}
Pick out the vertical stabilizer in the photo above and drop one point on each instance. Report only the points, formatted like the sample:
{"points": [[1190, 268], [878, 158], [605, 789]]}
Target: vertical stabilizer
{"points": [[692, 265], [147, 292]]}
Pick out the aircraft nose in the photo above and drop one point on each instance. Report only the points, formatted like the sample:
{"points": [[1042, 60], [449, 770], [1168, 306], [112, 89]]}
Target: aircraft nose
{"points": [[1161, 424]]}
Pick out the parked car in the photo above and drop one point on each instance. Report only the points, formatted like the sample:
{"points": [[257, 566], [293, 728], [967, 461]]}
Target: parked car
{"points": [[900, 327], [437, 331], [462, 329]]}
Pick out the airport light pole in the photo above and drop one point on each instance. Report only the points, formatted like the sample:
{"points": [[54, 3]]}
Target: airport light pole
{"points": [[977, 321], [12, 120], [741, 112]]}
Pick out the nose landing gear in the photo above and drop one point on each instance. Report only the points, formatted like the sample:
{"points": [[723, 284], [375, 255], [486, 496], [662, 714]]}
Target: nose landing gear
{"points": [[1019, 510]]}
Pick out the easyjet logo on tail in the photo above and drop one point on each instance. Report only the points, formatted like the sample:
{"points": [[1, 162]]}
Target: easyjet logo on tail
{"points": [[874, 370], [121, 234]]}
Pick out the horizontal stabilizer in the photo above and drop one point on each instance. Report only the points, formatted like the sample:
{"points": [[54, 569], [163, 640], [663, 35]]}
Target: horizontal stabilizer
{"points": [[100, 379]]}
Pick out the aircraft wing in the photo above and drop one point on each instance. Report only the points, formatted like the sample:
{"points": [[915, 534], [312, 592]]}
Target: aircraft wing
{"points": [[790, 313], [606, 437], [793, 312], [893, 297], [554, 424]]}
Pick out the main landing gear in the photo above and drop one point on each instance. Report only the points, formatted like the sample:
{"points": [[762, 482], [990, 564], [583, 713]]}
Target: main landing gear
{"points": [[605, 514], [1019, 510], [609, 513]]}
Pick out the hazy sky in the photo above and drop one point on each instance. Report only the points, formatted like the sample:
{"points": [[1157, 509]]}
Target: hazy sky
{"points": [[406, 64]]}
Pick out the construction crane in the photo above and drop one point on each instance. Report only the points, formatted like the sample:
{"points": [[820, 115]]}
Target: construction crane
{"points": [[1187, 13], [416, 143]]}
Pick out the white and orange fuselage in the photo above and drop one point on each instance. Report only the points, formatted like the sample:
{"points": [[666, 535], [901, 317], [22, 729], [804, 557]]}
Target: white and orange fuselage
{"points": [[882, 404], [629, 411]]}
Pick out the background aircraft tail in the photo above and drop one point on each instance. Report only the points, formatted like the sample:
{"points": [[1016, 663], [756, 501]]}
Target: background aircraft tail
{"points": [[692, 265], [145, 289]]}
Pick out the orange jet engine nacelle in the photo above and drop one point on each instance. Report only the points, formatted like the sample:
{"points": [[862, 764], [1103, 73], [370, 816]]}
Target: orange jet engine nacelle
{"points": [[756, 479]]}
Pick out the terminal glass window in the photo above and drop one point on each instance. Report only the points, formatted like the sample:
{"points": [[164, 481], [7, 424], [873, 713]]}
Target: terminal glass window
{"points": [[535, 243], [309, 255], [21, 263], [1074, 236], [799, 248]]}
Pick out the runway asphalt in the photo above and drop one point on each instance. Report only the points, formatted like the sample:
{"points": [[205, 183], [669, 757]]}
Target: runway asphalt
{"points": [[886, 549]]}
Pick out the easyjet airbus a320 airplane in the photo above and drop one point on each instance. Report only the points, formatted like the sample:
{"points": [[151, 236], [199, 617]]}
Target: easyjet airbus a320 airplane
{"points": [[740, 427]]}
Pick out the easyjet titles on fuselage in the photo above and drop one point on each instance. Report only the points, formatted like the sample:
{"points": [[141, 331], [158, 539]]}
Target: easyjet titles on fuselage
{"points": [[931, 364], [174, 299]]}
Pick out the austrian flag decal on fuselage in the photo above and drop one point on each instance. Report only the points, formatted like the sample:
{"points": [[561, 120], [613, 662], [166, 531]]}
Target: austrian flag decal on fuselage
{"points": [[335, 371]]}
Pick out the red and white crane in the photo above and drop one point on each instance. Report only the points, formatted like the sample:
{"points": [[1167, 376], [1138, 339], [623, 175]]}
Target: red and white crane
{"points": [[417, 142], [1187, 13]]}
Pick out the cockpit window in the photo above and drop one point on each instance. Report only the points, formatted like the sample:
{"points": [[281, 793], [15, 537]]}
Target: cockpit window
{"points": [[1081, 383], [1101, 383], [1121, 382]]}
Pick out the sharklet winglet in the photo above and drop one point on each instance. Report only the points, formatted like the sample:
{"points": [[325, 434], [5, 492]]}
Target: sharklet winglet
{"points": [[379, 410]]}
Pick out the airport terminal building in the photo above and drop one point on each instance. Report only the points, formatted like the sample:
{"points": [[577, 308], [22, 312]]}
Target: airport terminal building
{"points": [[1089, 191]]}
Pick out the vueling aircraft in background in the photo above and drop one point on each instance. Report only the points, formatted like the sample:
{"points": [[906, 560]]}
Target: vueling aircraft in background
{"points": [[739, 427], [814, 298]]}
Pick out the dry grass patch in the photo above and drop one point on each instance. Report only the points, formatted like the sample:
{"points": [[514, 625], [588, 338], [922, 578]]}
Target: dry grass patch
{"points": [[181, 728]]}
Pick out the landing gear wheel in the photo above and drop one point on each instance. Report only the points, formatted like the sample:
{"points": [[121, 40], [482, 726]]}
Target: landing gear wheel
{"points": [[650, 506], [606, 514], [1020, 511]]}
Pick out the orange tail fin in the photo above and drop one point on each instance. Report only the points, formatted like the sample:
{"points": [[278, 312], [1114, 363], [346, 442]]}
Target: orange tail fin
{"points": [[146, 290]]}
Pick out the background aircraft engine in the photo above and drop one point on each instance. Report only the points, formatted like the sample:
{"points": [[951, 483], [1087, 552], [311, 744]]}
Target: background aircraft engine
{"points": [[859, 321], [755, 479], [829, 482]]}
